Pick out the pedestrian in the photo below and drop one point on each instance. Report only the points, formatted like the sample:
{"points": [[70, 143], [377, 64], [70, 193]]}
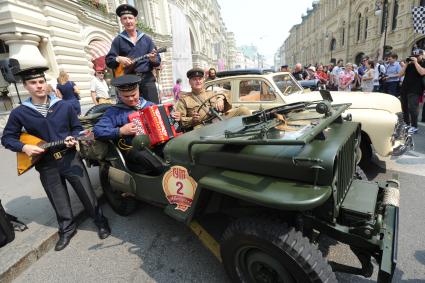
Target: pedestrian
{"points": [[299, 73], [392, 76], [378, 75], [131, 44], [355, 85], [177, 89], [334, 77], [211, 74], [311, 71], [362, 69], [346, 78], [284, 68], [412, 88], [68, 91], [422, 100], [99, 88], [52, 119], [368, 76], [322, 75], [157, 72]]}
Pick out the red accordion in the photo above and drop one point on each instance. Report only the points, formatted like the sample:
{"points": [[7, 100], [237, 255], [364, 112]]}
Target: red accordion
{"points": [[156, 122]]}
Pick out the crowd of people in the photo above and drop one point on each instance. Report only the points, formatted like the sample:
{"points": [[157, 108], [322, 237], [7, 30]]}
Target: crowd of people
{"points": [[401, 78]]}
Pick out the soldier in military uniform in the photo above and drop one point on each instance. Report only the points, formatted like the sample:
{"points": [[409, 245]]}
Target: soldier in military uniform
{"points": [[191, 115]]}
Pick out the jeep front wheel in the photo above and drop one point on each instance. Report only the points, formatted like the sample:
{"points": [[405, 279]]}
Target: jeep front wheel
{"points": [[257, 250], [122, 205]]}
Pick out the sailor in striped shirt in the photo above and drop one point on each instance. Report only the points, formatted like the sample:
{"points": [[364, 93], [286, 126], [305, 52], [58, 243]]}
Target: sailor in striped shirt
{"points": [[51, 119]]}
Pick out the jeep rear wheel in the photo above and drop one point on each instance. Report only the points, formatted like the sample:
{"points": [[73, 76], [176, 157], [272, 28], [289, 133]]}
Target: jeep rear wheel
{"points": [[122, 205], [257, 250]]}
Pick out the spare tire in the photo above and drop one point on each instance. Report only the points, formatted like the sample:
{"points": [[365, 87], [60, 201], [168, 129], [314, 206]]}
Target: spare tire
{"points": [[97, 109]]}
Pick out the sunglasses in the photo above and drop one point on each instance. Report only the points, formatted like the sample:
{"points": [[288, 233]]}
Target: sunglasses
{"points": [[100, 73]]}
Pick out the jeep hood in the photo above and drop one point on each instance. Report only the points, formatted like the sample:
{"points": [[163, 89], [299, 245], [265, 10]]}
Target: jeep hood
{"points": [[358, 100]]}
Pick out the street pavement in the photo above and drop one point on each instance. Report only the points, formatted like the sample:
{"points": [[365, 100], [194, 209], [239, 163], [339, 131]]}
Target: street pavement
{"points": [[148, 246]]}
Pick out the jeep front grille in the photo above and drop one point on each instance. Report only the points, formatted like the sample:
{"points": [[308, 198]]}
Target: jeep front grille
{"points": [[346, 162]]}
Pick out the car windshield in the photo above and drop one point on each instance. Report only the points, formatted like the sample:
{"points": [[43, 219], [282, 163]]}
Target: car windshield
{"points": [[287, 84]]}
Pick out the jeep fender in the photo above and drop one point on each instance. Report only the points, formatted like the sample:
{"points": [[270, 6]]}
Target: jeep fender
{"points": [[266, 191]]}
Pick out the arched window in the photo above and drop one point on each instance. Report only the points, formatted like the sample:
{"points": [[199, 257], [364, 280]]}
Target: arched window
{"points": [[333, 44], [359, 26], [395, 14], [366, 23], [384, 15], [3, 47], [422, 3]]}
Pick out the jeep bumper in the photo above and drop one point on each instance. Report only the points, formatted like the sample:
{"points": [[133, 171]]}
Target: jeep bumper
{"points": [[401, 139], [389, 245], [404, 146], [389, 231]]}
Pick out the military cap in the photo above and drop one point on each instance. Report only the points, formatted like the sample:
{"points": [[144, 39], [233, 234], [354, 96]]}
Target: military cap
{"points": [[31, 73], [126, 82], [195, 72], [125, 9]]}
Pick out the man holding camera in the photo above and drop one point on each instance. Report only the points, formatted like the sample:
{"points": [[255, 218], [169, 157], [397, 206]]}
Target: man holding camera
{"points": [[412, 88]]}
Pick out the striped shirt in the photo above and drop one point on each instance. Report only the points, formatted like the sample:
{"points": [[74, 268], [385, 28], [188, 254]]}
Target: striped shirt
{"points": [[42, 108]]}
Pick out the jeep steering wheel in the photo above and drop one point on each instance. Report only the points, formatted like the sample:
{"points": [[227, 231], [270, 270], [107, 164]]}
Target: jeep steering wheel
{"points": [[214, 112]]}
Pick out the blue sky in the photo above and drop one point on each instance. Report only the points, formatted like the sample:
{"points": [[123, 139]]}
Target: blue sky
{"points": [[264, 23]]}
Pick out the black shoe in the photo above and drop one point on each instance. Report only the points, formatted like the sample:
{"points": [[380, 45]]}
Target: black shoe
{"points": [[103, 230], [64, 241]]}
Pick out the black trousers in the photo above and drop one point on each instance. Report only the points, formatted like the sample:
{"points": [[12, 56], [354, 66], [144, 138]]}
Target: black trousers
{"points": [[53, 174], [391, 88], [147, 87], [409, 106], [142, 161]]}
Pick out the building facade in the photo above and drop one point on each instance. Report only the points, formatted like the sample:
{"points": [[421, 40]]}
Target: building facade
{"points": [[69, 34], [350, 29]]}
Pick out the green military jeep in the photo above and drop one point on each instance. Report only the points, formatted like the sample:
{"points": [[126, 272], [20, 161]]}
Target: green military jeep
{"points": [[260, 190]]}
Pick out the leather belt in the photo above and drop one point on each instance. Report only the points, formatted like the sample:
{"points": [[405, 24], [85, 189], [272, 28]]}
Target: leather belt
{"points": [[59, 154]]}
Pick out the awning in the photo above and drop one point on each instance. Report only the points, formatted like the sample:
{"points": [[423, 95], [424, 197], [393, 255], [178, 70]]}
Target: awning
{"points": [[98, 48]]}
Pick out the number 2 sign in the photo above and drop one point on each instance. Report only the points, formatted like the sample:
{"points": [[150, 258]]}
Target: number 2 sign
{"points": [[179, 187]]}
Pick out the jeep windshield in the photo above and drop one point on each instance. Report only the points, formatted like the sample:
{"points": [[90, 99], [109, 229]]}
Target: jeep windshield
{"points": [[287, 84]]}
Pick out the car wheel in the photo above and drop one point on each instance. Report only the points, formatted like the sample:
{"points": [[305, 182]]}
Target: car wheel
{"points": [[122, 205], [258, 250], [100, 108]]}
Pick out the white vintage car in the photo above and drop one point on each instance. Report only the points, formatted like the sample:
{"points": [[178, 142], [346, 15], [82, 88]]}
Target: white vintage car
{"points": [[380, 115]]}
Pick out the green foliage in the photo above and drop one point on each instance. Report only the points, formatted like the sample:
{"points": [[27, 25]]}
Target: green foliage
{"points": [[143, 27], [95, 4]]}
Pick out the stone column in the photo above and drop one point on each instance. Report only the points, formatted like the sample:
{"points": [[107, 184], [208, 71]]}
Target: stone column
{"points": [[24, 48]]}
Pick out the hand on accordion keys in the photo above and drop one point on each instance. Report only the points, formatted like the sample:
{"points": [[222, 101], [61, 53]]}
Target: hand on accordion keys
{"points": [[159, 122], [129, 129]]}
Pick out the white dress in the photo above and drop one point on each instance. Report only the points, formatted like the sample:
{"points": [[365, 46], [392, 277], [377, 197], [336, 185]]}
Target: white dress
{"points": [[368, 84]]}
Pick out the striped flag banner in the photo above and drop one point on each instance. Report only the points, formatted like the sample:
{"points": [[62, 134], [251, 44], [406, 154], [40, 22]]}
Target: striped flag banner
{"points": [[418, 14]]}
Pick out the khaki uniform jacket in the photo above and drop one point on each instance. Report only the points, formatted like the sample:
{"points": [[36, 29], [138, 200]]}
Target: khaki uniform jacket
{"points": [[189, 103]]}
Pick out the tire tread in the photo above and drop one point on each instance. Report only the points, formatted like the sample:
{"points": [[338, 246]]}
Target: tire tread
{"points": [[288, 240]]}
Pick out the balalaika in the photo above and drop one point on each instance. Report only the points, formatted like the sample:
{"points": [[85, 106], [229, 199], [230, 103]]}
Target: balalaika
{"points": [[25, 162]]}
